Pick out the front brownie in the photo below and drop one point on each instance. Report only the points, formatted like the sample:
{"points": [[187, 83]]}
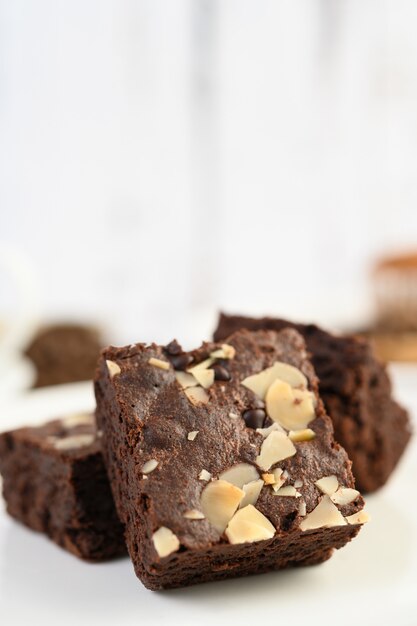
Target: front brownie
{"points": [[54, 481], [168, 442], [356, 391]]}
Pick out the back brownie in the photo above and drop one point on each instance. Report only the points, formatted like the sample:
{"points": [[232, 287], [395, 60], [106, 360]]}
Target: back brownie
{"points": [[356, 392], [55, 482], [222, 460]]}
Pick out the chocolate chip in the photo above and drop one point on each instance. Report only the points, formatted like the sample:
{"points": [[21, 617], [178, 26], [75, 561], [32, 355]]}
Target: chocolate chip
{"points": [[173, 348], [257, 404], [178, 358], [254, 418], [220, 372], [181, 361]]}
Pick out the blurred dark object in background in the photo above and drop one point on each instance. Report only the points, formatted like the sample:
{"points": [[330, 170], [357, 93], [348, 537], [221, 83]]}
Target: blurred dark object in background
{"points": [[393, 346], [394, 334], [64, 353]]}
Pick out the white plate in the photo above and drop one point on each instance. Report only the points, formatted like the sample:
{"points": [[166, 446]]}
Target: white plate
{"points": [[371, 581]]}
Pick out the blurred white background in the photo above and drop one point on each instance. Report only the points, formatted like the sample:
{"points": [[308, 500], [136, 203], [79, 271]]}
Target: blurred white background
{"points": [[163, 159]]}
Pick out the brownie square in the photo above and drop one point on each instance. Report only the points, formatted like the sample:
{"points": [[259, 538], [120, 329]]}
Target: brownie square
{"points": [[55, 482], [356, 391], [222, 460]]}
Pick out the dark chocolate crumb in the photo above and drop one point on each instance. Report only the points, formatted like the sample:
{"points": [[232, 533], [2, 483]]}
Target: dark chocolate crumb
{"points": [[173, 348], [288, 520]]}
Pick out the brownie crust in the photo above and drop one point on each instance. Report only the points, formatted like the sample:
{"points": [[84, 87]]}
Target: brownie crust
{"points": [[62, 492], [144, 414], [356, 390]]}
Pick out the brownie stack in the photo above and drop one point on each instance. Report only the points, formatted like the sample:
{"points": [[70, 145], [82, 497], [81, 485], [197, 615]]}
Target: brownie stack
{"points": [[213, 463]]}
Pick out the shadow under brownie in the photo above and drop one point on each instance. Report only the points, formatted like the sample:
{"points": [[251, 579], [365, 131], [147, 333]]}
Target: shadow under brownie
{"points": [[55, 482], [207, 483]]}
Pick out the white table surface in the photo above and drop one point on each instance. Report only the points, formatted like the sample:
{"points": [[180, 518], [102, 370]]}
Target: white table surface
{"points": [[371, 581]]}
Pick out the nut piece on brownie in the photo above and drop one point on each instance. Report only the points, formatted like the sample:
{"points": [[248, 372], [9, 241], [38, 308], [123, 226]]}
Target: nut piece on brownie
{"points": [[242, 496]]}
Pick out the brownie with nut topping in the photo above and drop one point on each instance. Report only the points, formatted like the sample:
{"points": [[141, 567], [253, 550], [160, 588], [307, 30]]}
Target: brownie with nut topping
{"points": [[356, 391], [55, 482], [216, 458]]}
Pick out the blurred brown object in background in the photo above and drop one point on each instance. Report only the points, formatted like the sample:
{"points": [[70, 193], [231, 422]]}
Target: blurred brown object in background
{"points": [[394, 334], [64, 353], [393, 346], [395, 284]]}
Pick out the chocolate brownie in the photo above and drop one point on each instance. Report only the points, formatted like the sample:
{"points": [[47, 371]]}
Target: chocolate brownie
{"points": [[356, 391], [64, 353], [222, 460], [54, 481]]}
